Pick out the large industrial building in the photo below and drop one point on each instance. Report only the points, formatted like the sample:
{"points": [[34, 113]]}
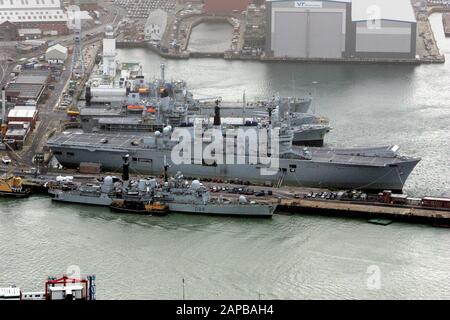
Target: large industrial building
{"points": [[44, 15], [366, 29]]}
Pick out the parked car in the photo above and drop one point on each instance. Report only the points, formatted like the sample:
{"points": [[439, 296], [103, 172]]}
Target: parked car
{"points": [[6, 160]]}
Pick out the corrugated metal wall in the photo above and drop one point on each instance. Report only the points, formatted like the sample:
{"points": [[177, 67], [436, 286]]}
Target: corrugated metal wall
{"points": [[308, 34], [389, 36], [316, 32], [289, 38], [326, 35]]}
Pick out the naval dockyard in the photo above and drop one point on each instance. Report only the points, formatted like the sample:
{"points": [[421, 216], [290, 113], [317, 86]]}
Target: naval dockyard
{"points": [[244, 147], [84, 128]]}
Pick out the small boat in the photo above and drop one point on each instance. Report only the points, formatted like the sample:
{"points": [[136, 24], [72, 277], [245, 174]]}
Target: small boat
{"points": [[139, 207], [13, 187]]}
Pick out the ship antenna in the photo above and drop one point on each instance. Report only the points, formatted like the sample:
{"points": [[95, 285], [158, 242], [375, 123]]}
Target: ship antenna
{"points": [[243, 106], [163, 74]]}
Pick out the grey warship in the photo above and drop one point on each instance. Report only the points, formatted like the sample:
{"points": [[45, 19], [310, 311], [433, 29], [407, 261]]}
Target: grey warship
{"points": [[194, 198], [177, 193]]}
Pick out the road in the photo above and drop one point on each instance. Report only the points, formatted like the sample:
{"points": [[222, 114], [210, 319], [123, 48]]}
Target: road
{"points": [[5, 69]]}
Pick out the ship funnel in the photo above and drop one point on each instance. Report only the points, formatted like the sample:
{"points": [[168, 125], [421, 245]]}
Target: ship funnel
{"points": [[126, 168], [217, 120], [88, 95], [3, 105]]}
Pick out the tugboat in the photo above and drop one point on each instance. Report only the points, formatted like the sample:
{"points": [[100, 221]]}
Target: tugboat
{"points": [[13, 187], [140, 207]]}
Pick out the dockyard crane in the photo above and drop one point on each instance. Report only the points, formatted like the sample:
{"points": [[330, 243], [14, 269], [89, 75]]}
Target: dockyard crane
{"points": [[74, 20]]}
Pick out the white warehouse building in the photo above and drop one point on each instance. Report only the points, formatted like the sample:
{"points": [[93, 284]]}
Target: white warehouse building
{"points": [[336, 29], [56, 54], [156, 25]]}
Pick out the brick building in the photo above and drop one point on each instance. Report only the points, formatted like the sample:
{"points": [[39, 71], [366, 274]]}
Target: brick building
{"points": [[8, 31]]}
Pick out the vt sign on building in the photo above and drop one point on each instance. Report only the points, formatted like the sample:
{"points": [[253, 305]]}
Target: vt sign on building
{"points": [[341, 29]]}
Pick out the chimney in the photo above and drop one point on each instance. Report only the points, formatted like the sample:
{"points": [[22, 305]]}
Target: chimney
{"points": [[217, 120], [126, 168]]}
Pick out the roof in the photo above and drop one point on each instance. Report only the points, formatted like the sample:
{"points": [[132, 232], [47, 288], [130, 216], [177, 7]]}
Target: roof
{"points": [[7, 24], [17, 107], [69, 286], [58, 48], [18, 125], [398, 10], [346, 1], [21, 113], [30, 15], [31, 79], [364, 10], [437, 199], [30, 91], [30, 4], [16, 133]]}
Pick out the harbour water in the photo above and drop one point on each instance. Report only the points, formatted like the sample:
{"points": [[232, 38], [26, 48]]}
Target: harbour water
{"points": [[286, 257], [211, 37]]}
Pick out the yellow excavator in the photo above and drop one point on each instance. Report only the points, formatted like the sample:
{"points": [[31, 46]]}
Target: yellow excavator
{"points": [[11, 185]]}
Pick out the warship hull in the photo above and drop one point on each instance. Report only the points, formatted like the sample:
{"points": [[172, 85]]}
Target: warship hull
{"points": [[76, 197], [229, 109], [251, 210], [367, 169], [313, 137]]}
